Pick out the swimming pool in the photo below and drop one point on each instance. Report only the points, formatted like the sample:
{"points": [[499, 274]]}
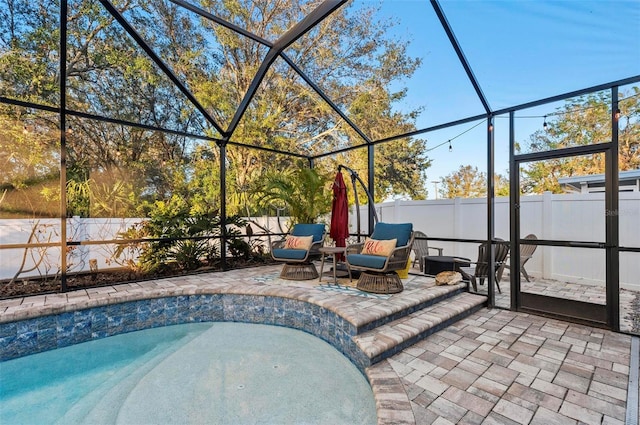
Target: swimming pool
{"points": [[223, 373]]}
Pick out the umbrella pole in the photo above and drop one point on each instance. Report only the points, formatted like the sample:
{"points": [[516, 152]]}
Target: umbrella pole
{"points": [[355, 195], [372, 208]]}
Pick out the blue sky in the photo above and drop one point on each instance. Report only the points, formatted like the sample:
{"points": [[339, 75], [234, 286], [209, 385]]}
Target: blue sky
{"points": [[519, 51]]}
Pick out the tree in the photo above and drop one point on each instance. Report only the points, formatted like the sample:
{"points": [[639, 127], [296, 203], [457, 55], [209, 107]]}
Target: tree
{"points": [[501, 185], [351, 56], [106, 75], [584, 121], [469, 182], [29, 163], [304, 192]]}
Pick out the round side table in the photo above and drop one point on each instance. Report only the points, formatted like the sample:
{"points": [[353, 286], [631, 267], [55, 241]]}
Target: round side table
{"points": [[333, 252]]}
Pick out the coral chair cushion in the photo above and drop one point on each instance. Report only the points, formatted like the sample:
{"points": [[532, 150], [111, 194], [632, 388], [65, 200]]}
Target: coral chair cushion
{"points": [[298, 242], [383, 248]]}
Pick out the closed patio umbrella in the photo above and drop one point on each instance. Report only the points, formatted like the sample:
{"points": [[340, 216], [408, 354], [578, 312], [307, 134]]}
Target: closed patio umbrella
{"points": [[339, 229]]}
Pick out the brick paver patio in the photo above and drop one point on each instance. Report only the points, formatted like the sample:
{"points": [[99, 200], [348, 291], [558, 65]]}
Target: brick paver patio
{"points": [[500, 367]]}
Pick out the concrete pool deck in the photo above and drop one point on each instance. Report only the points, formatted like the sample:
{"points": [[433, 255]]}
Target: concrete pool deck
{"points": [[493, 366]]}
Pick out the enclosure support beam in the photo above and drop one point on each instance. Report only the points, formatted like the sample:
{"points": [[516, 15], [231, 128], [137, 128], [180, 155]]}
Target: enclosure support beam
{"points": [[371, 183], [514, 217], [612, 198], [222, 22], [63, 144], [326, 98], [163, 66], [288, 38], [223, 205], [490, 210], [460, 53]]}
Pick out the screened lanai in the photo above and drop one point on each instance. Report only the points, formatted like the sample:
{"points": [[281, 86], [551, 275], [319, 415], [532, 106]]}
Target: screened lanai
{"points": [[143, 130]]}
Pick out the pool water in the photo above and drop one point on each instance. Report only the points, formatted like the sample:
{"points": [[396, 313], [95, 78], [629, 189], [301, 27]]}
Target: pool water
{"points": [[200, 373]]}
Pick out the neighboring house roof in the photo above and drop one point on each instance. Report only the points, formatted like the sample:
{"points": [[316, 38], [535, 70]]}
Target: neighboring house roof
{"points": [[628, 181]]}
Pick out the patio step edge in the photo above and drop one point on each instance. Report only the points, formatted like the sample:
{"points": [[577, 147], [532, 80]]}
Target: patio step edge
{"points": [[426, 300], [388, 339]]}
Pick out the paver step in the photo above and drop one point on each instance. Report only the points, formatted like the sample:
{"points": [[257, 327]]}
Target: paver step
{"points": [[391, 338], [413, 300]]}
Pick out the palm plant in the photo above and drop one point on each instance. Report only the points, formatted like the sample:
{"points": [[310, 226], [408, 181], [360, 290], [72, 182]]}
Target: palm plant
{"points": [[302, 191]]}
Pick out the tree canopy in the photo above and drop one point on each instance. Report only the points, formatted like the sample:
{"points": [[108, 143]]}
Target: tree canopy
{"points": [[469, 182], [584, 121], [351, 57]]}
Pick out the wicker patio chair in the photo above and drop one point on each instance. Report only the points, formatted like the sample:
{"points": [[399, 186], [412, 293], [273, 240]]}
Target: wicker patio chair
{"points": [[379, 271], [298, 265]]}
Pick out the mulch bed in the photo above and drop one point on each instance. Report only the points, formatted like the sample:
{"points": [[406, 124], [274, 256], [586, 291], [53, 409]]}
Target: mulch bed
{"points": [[52, 284], [634, 316]]}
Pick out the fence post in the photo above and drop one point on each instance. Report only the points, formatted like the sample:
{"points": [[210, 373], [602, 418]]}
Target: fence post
{"points": [[458, 228], [547, 233], [77, 232], [396, 211]]}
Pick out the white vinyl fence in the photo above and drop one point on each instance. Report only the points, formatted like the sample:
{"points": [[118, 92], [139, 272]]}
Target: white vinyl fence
{"points": [[568, 217], [574, 217], [45, 260]]}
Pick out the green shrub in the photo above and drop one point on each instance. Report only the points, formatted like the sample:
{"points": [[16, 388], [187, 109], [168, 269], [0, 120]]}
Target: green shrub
{"points": [[176, 239]]}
